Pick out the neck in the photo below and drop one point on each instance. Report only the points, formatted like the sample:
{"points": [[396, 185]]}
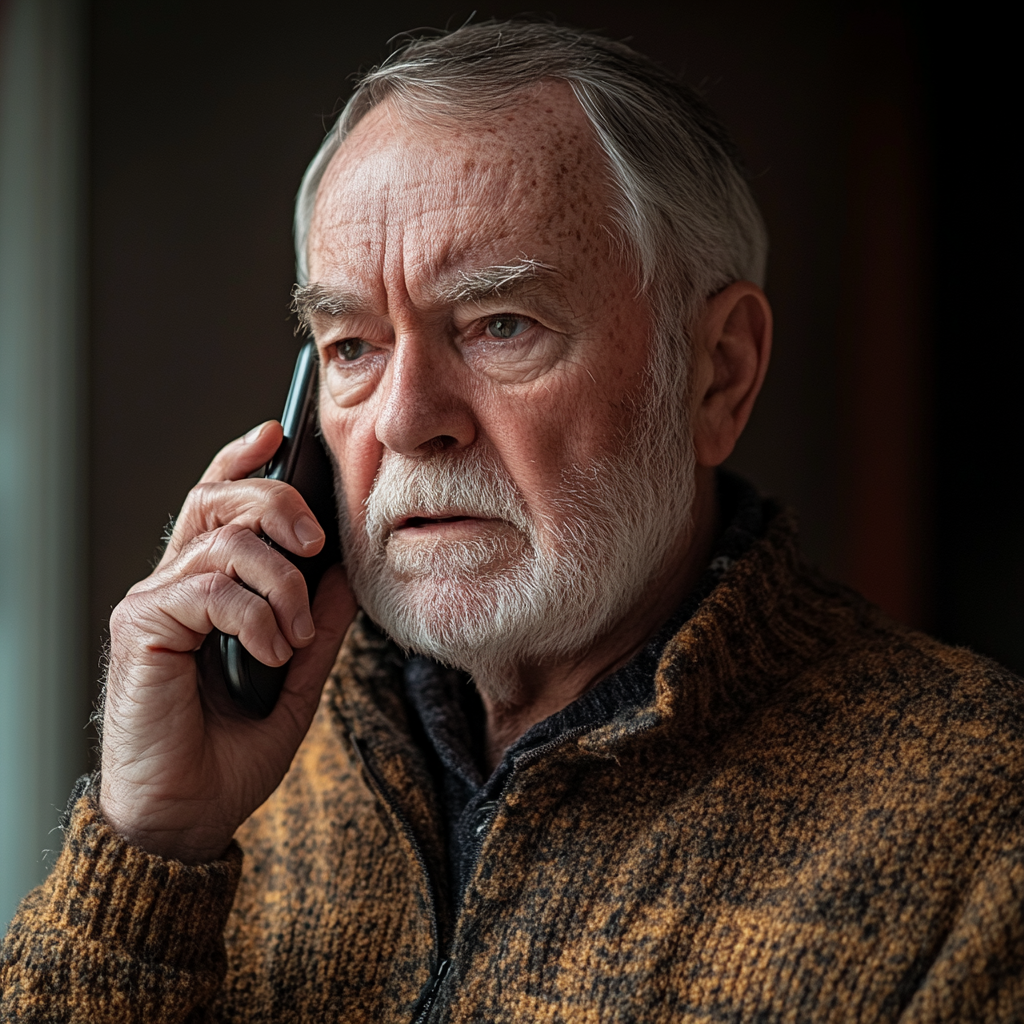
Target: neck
{"points": [[541, 690]]}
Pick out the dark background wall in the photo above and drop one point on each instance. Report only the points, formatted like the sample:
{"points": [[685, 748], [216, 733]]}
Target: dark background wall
{"points": [[890, 418]]}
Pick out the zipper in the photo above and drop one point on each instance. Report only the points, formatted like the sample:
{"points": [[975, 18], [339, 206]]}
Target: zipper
{"points": [[530, 756], [431, 997], [426, 1003], [523, 760]]}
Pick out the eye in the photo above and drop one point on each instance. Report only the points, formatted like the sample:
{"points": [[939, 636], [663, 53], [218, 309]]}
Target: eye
{"points": [[351, 349], [507, 326]]}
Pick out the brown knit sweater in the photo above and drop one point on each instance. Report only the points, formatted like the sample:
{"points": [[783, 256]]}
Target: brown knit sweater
{"points": [[818, 818]]}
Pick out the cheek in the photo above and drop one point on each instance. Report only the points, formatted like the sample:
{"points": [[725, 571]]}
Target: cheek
{"points": [[566, 423], [357, 451]]}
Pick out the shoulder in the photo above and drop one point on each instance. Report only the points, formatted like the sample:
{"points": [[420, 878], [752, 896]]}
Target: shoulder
{"points": [[778, 657], [887, 672], [936, 729], [831, 641]]}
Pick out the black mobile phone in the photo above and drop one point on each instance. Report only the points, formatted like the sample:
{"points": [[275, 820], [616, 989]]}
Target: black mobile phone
{"points": [[301, 461]]}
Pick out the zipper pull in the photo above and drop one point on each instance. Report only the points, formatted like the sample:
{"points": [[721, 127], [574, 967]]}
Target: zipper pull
{"points": [[431, 996]]}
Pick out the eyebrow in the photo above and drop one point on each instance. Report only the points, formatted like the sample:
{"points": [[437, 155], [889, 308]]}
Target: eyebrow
{"points": [[310, 299], [495, 282], [479, 285]]}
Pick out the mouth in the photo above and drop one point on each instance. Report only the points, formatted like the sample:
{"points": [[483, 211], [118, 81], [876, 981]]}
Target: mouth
{"points": [[419, 522], [453, 525]]}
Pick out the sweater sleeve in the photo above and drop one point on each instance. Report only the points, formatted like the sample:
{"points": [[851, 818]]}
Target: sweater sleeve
{"points": [[978, 973], [117, 934]]}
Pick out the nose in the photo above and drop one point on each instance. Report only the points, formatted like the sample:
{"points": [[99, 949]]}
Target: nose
{"points": [[425, 402]]}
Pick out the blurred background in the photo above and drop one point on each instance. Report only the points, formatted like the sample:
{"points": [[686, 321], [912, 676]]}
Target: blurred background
{"points": [[149, 156]]}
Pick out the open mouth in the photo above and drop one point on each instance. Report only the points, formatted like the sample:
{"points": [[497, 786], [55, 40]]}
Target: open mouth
{"points": [[415, 522]]}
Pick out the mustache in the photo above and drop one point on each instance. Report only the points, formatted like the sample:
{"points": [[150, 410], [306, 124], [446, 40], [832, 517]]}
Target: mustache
{"points": [[470, 482]]}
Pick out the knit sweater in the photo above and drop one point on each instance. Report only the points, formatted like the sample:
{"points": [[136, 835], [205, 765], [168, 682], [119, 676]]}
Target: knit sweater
{"points": [[816, 817]]}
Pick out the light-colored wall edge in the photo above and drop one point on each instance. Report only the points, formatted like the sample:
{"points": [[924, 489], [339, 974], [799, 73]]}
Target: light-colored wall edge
{"points": [[42, 364]]}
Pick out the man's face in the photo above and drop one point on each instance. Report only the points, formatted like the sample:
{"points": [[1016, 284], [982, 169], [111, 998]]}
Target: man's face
{"points": [[484, 352]]}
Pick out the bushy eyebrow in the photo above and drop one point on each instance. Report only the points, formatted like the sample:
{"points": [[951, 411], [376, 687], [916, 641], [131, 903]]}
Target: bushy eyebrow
{"points": [[468, 286], [494, 282], [310, 299]]}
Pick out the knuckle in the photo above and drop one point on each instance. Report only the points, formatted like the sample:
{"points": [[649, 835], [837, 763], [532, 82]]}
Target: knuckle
{"points": [[260, 497], [216, 586], [122, 616], [280, 488], [216, 544], [256, 616], [142, 586], [131, 613], [233, 533], [293, 578], [192, 505], [194, 548], [205, 499], [204, 492], [213, 504], [131, 622], [284, 495]]}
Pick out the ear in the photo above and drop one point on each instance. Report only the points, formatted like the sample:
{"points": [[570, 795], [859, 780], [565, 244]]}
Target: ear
{"points": [[731, 343]]}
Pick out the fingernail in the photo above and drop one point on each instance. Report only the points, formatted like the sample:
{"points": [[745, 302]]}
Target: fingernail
{"points": [[306, 530], [282, 648], [302, 626], [253, 434]]}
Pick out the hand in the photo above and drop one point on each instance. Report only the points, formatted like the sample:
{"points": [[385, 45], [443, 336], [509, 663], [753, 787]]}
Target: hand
{"points": [[181, 767]]}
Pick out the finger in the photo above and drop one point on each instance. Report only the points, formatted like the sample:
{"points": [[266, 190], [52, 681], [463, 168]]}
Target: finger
{"points": [[214, 600], [175, 617], [240, 554], [334, 608], [271, 507], [245, 454]]}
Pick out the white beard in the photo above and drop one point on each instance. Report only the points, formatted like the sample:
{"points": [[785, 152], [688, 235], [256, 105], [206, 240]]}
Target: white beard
{"points": [[540, 588]]}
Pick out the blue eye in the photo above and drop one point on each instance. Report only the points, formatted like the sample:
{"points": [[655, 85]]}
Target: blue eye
{"points": [[351, 349], [507, 326]]}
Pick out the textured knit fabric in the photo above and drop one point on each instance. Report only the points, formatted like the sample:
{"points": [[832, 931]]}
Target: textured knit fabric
{"points": [[816, 817], [452, 715]]}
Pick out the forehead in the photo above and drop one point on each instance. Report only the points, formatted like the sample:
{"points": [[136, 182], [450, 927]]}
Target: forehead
{"points": [[528, 180]]}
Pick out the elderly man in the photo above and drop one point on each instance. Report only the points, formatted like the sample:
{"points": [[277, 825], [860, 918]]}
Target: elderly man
{"points": [[597, 746]]}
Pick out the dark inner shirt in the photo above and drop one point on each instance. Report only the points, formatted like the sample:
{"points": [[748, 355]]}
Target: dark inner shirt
{"points": [[452, 714]]}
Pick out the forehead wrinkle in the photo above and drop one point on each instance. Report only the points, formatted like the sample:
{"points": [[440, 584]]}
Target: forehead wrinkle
{"points": [[428, 216]]}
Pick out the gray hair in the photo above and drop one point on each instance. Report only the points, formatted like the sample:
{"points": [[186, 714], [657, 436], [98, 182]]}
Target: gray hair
{"points": [[681, 199]]}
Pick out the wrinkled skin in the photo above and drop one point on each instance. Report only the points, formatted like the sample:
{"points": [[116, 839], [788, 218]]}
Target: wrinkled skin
{"points": [[404, 211]]}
